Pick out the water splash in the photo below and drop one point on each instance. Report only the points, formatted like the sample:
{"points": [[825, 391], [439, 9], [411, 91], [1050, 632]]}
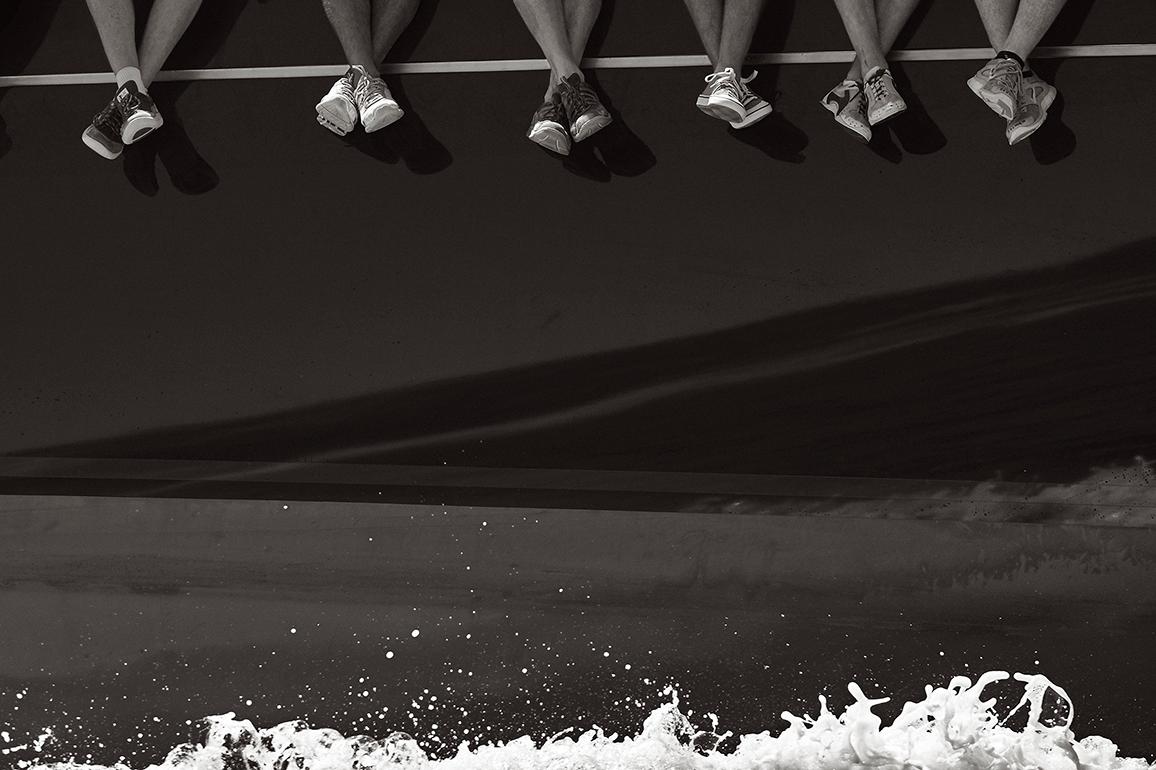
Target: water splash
{"points": [[952, 728]]}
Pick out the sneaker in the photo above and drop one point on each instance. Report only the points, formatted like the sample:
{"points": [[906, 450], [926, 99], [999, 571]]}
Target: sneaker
{"points": [[849, 106], [337, 110], [548, 127], [727, 97], [103, 135], [585, 113], [998, 84], [756, 108], [375, 103], [138, 112], [883, 101], [1036, 96]]}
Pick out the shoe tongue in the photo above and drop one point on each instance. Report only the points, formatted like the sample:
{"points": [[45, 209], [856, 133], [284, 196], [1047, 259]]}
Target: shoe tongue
{"points": [[873, 73]]}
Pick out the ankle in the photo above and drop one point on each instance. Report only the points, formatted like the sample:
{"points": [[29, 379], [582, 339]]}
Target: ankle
{"points": [[130, 74], [1011, 56], [367, 69]]}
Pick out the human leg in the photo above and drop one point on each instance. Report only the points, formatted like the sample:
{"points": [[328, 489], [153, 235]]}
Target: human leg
{"points": [[861, 22], [167, 21]]}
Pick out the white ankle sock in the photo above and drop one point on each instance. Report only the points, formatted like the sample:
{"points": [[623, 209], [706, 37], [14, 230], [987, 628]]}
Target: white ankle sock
{"points": [[130, 73]]}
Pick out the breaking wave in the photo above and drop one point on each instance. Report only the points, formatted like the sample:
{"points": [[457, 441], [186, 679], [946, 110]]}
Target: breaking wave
{"points": [[952, 728]]}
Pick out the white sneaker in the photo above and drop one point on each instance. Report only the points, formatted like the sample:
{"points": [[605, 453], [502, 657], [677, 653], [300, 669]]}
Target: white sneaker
{"points": [[849, 106], [375, 103], [998, 84], [883, 101], [337, 110], [1036, 96]]}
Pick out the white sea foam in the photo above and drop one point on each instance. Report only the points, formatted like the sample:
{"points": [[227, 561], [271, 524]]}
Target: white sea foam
{"points": [[952, 728]]}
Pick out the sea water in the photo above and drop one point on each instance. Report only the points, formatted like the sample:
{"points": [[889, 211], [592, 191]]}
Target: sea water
{"points": [[951, 727]]}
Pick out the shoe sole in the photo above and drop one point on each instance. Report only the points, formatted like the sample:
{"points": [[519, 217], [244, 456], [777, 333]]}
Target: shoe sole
{"points": [[553, 139], [855, 133], [590, 127], [337, 120], [725, 109], [1044, 105], [753, 117], [887, 114], [1000, 106], [136, 129], [383, 117], [99, 148]]}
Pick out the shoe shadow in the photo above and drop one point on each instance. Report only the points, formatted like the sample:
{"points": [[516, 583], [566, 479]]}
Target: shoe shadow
{"points": [[583, 162], [883, 143], [411, 140], [23, 27], [622, 152], [187, 169], [5, 140], [915, 129], [776, 137], [1054, 140]]}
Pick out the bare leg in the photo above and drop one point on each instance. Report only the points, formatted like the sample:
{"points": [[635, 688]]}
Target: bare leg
{"points": [[546, 20], [351, 23], [116, 23], [739, 21], [707, 16], [892, 16], [390, 18], [998, 17], [863, 29], [1033, 19], [168, 20], [580, 18]]}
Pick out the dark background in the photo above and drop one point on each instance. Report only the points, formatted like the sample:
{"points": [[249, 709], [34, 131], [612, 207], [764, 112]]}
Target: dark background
{"points": [[784, 303]]}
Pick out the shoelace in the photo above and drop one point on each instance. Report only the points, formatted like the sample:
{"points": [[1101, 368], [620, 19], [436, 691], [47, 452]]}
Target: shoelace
{"points": [[550, 110], [127, 102], [370, 90], [1007, 82], [735, 86], [109, 117], [578, 100], [878, 86], [348, 90]]}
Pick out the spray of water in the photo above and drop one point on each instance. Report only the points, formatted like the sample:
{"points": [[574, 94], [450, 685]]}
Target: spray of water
{"points": [[952, 728]]}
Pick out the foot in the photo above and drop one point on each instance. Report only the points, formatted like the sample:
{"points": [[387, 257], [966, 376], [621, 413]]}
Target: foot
{"points": [[548, 127], [583, 110], [728, 98], [998, 84], [138, 112], [1036, 96], [849, 106], [883, 101], [103, 135], [375, 104], [337, 110]]}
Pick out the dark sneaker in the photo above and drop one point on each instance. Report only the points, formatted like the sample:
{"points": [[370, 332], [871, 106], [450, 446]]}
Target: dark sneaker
{"points": [[755, 107], [1036, 96], [585, 113], [998, 84], [548, 126], [728, 98], [883, 101], [138, 112], [103, 135]]}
